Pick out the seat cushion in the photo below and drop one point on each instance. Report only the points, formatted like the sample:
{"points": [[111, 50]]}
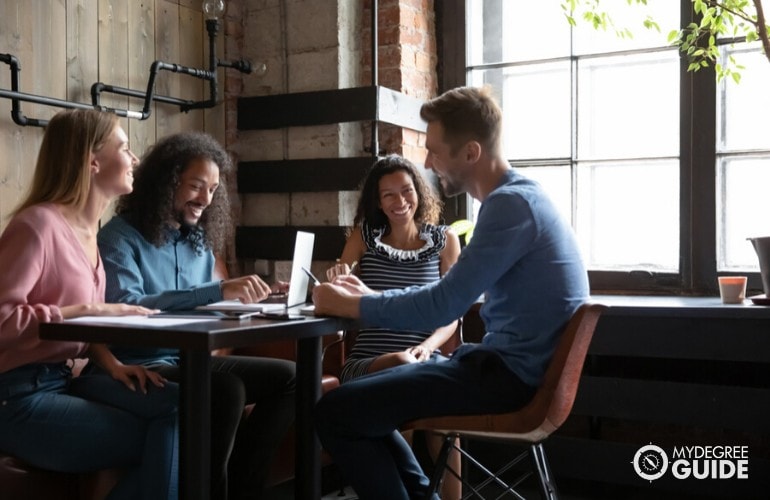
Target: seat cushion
{"points": [[21, 480]]}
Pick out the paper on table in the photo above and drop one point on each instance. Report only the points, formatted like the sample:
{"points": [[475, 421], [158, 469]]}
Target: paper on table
{"points": [[139, 320]]}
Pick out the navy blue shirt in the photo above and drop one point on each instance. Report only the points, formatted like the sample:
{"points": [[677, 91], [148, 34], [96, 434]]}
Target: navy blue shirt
{"points": [[524, 259]]}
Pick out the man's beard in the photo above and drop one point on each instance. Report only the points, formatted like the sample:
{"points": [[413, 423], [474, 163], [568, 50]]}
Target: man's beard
{"points": [[184, 226], [451, 187]]}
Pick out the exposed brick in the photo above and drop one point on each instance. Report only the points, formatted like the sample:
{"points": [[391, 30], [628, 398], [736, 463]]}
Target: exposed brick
{"points": [[389, 16], [317, 60]]}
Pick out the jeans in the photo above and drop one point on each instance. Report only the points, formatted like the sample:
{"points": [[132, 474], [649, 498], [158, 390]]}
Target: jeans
{"points": [[92, 422], [358, 422], [241, 451]]}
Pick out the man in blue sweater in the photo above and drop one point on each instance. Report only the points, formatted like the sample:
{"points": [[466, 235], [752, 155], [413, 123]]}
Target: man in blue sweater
{"points": [[158, 251], [524, 259]]}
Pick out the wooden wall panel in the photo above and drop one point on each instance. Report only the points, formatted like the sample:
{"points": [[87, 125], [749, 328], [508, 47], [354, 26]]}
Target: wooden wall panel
{"points": [[113, 50], [26, 38], [64, 46], [82, 49], [191, 53], [168, 118], [141, 54]]}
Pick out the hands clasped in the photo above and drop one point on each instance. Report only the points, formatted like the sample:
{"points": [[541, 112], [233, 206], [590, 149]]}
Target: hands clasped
{"points": [[420, 353]]}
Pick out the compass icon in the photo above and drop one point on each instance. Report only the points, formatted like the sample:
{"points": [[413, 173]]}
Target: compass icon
{"points": [[650, 462]]}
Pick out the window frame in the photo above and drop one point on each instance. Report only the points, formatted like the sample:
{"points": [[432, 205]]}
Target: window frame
{"points": [[697, 170]]}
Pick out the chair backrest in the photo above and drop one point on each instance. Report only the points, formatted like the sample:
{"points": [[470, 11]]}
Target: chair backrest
{"points": [[562, 378], [552, 402]]}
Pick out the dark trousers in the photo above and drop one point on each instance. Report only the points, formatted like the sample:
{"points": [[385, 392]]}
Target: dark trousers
{"points": [[358, 422], [89, 423], [241, 451]]}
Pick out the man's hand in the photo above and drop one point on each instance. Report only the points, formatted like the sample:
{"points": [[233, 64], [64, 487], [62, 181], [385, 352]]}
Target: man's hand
{"points": [[247, 289], [334, 300], [279, 287], [353, 284]]}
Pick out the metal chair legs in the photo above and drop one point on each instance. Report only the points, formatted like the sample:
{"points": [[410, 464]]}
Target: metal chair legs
{"points": [[536, 452]]}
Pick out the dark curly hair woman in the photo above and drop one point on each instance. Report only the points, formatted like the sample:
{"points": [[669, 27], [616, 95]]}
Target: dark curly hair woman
{"points": [[154, 200], [428, 210]]}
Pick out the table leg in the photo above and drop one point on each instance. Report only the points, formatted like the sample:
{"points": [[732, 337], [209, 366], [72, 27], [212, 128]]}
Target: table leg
{"points": [[307, 480], [195, 425]]}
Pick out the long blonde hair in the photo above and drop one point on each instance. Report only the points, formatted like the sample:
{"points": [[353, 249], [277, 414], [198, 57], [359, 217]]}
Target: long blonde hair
{"points": [[62, 173]]}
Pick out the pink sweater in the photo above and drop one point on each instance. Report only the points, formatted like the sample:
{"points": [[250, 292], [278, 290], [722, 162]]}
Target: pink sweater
{"points": [[42, 266]]}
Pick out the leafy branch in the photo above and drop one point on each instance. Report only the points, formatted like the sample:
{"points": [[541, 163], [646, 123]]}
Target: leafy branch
{"points": [[735, 19]]}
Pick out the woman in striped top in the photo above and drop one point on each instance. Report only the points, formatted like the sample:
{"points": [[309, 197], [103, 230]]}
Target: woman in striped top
{"points": [[396, 243]]}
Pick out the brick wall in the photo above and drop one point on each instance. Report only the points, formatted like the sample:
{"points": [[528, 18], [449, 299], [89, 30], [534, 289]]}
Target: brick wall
{"points": [[406, 62], [310, 45]]}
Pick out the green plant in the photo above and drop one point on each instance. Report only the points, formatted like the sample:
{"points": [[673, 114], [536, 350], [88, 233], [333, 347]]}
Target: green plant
{"points": [[731, 19]]}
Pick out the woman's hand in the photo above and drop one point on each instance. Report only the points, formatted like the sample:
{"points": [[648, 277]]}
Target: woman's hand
{"points": [[420, 353], [338, 269], [100, 309], [103, 357], [128, 373]]}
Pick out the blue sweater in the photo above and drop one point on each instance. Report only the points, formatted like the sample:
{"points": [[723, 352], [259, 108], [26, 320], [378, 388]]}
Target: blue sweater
{"points": [[524, 258], [170, 277]]}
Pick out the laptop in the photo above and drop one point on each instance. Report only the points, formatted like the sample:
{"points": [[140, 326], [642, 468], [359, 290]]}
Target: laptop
{"points": [[297, 295]]}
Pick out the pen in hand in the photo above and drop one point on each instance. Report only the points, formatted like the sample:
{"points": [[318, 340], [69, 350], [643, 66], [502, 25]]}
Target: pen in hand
{"points": [[312, 277]]}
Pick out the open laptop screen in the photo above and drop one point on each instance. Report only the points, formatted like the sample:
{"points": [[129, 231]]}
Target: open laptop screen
{"points": [[298, 282]]}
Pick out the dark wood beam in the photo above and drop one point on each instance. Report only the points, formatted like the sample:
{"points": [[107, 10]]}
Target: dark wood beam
{"points": [[302, 176], [277, 242], [325, 107]]}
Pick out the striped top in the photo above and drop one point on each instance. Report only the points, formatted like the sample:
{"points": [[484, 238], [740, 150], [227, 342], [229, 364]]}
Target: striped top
{"points": [[383, 267]]}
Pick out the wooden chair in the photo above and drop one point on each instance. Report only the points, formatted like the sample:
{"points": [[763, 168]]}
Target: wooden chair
{"points": [[530, 425]]}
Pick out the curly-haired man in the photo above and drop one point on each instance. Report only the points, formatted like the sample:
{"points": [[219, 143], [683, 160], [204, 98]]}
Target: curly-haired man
{"points": [[159, 252]]}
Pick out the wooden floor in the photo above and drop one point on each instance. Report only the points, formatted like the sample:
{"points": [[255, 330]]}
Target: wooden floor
{"points": [[568, 490]]}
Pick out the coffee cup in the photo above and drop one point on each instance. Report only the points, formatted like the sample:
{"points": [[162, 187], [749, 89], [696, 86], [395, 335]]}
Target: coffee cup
{"points": [[732, 289]]}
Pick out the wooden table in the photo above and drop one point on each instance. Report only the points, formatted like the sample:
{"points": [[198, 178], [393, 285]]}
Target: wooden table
{"points": [[196, 341]]}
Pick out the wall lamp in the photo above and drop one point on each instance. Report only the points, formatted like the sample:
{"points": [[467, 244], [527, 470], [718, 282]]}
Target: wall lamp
{"points": [[212, 10]]}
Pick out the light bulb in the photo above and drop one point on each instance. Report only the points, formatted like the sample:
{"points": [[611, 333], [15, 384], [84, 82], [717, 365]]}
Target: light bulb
{"points": [[260, 68], [213, 9]]}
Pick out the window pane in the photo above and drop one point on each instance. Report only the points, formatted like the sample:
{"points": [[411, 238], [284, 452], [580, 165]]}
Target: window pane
{"points": [[741, 210], [628, 215], [631, 17], [515, 30], [536, 105], [743, 104], [557, 182], [629, 106]]}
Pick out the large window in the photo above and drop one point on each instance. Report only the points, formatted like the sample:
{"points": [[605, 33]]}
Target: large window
{"points": [[661, 172]]}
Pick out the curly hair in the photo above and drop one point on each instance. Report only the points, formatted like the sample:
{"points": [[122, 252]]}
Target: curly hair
{"points": [[429, 205], [150, 206]]}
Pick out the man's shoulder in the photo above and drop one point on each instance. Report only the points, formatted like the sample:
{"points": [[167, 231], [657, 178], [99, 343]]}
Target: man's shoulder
{"points": [[117, 227]]}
